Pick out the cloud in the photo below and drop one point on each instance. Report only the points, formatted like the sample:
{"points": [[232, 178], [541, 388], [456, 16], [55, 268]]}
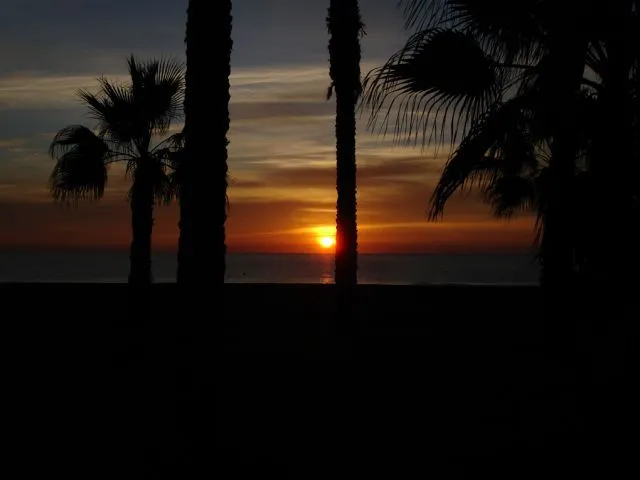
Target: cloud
{"points": [[80, 36], [12, 144], [264, 130], [237, 183], [369, 173], [243, 112], [282, 151], [262, 225]]}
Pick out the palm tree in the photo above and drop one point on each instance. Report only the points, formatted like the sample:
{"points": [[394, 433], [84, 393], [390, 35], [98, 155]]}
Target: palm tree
{"points": [[345, 28], [129, 118], [506, 154], [203, 197], [203, 184], [516, 64], [613, 59]]}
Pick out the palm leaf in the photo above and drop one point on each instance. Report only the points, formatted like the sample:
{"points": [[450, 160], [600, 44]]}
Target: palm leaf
{"points": [[422, 14], [163, 170], [81, 165], [164, 191], [173, 143], [441, 77], [132, 113], [502, 26], [157, 88], [511, 27], [114, 109], [171, 154], [156, 174], [497, 145], [509, 195]]}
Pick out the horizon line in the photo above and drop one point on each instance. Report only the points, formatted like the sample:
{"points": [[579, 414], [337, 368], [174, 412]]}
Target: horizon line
{"points": [[125, 251]]}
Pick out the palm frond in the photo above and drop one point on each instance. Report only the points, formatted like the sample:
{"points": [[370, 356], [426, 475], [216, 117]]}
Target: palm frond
{"points": [[497, 145], [132, 113], [505, 26], [155, 174], [501, 26], [509, 195], [164, 190], [171, 153], [162, 169], [421, 14], [157, 87], [70, 137], [441, 79], [173, 143], [586, 116], [596, 58], [114, 109], [81, 166], [176, 173]]}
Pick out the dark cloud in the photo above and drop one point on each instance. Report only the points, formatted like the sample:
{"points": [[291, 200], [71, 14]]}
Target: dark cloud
{"points": [[80, 36], [47, 48], [89, 36], [37, 122]]}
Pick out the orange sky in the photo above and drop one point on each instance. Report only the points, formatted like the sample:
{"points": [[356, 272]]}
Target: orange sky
{"points": [[256, 226], [282, 168], [282, 156]]}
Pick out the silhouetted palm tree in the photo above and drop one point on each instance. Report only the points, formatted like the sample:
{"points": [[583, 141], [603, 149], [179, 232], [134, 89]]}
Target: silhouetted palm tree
{"points": [[613, 60], [129, 117], [516, 63], [345, 28], [203, 197], [202, 177]]}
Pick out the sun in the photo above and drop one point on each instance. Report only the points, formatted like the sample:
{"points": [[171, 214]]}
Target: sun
{"points": [[326, 241], [325, 236]]}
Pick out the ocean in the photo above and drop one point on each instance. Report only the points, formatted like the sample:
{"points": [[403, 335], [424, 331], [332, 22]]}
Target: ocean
{"points": [[408, 269]]}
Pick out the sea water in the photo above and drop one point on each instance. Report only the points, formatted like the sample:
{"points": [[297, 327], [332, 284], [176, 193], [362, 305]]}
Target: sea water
{"points": [[408, 269]]}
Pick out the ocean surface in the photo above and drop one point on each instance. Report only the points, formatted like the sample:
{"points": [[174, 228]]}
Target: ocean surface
{"points": [[414, 269]]}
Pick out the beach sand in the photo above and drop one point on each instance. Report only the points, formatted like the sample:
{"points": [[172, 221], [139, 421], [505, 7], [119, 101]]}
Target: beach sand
{"points": [[444, 381]]}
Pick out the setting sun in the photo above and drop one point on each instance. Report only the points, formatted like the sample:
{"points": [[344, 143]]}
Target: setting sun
{"points": [[325, 235], [326, 242]]}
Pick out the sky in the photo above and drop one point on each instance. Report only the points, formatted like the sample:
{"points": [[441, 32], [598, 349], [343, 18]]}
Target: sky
{"points": [[282, 150]]}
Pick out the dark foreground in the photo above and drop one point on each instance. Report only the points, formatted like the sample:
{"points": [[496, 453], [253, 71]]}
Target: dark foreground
{"points": [[442, 382]]}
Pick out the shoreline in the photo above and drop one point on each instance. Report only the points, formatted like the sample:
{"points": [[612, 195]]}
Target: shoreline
{"points": [[406, 269], [123, 284]]}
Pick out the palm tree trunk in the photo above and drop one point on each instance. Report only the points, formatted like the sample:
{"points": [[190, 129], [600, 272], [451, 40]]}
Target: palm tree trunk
{"points": [[203, 201], [203, 215], [142, 203], [559, 277], [563, 84], [195, 42], [214, 242], [345, 28], [613, 163]]}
